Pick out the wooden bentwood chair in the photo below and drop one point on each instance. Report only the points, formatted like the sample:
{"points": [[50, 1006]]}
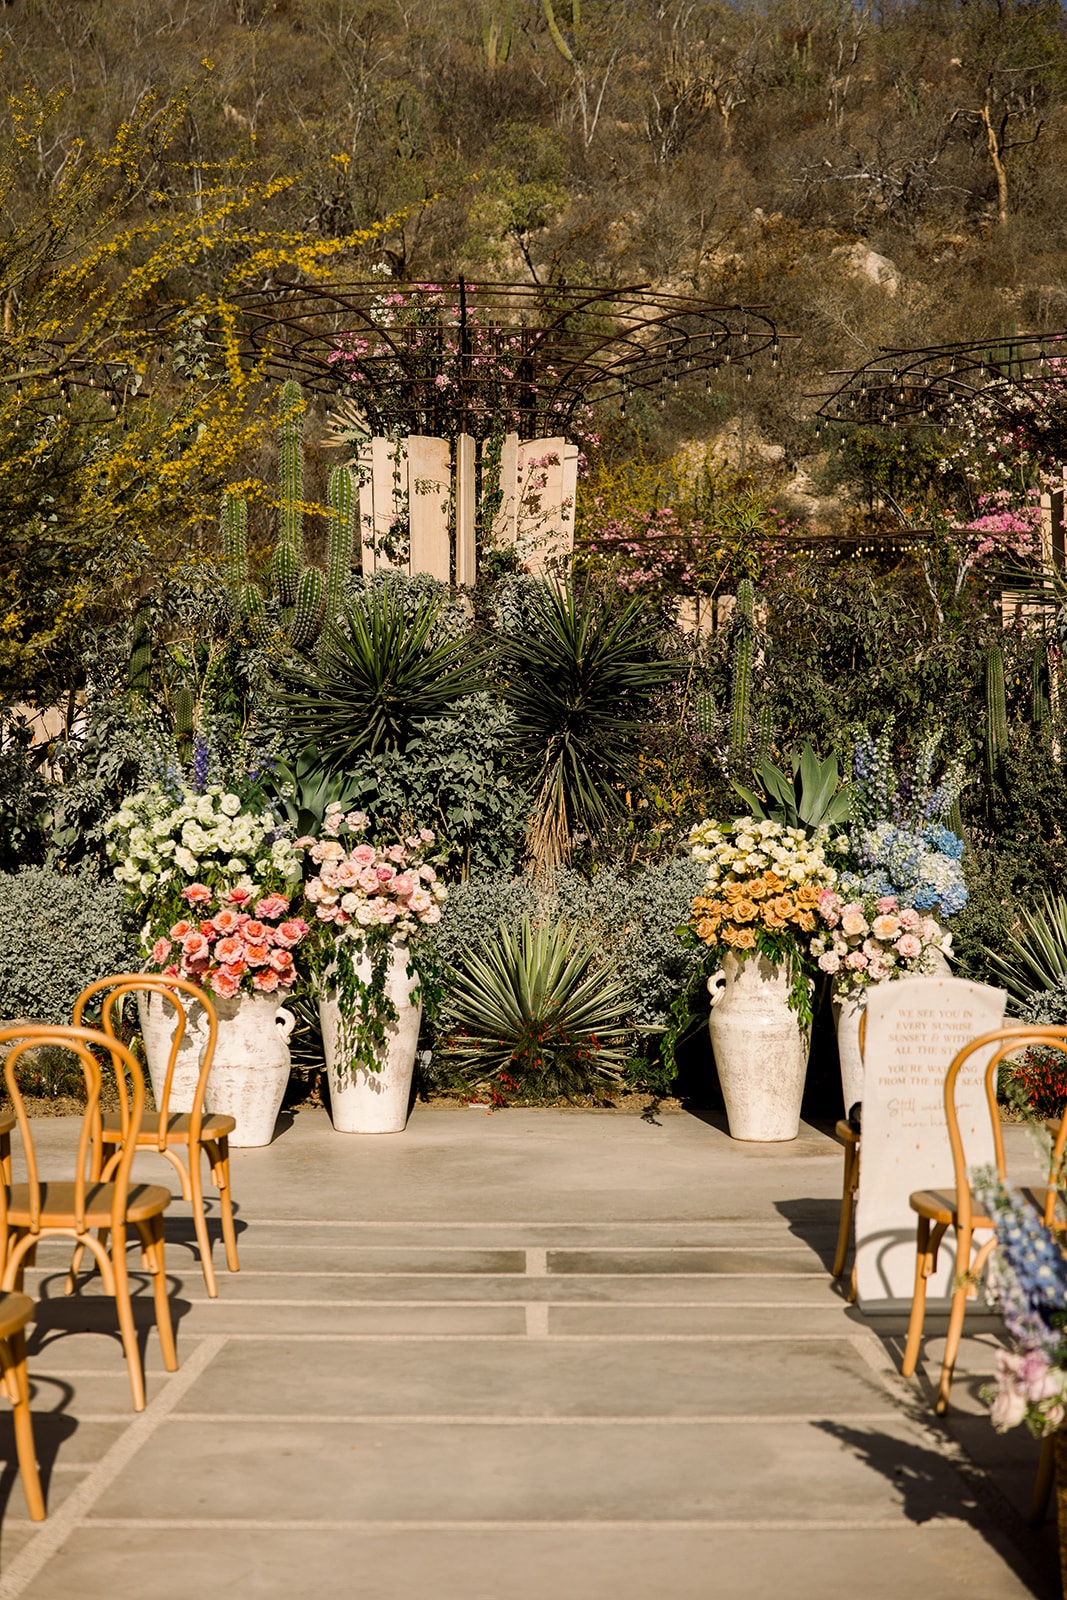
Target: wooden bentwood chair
{"points": [[172, 1133], [939, 1210], [38, 1209]]}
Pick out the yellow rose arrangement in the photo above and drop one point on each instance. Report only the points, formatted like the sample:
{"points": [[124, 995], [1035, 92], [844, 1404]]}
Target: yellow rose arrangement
{"points": [[762, 892]]}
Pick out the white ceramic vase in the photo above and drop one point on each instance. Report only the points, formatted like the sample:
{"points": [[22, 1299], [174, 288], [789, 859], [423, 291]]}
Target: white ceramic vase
{"points": [[251, 1066], [761, 1050], [373, 1099], [158, 1022], [847, 1014]]}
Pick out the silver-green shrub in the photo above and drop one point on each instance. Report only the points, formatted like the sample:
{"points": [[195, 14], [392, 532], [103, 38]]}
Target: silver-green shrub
{"points": [[56, 935]]}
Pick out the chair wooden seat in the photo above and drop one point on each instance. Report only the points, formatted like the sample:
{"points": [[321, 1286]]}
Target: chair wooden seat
{"points": [[942, 1206], [57, 1205], [178, 1126]]}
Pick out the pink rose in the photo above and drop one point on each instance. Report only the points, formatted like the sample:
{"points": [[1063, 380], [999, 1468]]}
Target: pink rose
{"points": [[397, 854], [384, 874], [287, 934], [347, 874], [282, 962], [357, 820], [208, 930], [909, 920], [171, 971], [180, 929], [257, 955], [272, 906], [224, 983], [255, 931], [830, 961], [421, 900], [226, 921], [368, 881], [363, 855], [427, 874], [195, 947], [888, 902], [305, 842], [197, 894], [403, 884], [426, 835], [431, 916], [267, 981], [885, 926], [908, 946], [385, 911], [228, 949], [161, 950], [856, 960], [238, 897]]}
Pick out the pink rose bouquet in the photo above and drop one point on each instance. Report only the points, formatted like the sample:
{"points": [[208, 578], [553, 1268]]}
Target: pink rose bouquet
{"points": [[869, 940], [355, 887]]}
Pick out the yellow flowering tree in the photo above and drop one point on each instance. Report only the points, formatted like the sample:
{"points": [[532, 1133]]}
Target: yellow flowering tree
{"points": [[120, 420]]}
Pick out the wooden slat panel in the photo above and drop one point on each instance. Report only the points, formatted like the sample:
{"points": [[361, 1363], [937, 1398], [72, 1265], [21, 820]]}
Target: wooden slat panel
{"points": [[429, 491]]}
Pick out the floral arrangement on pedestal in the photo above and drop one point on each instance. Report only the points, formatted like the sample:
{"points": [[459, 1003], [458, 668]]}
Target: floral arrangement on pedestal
{"points": [[214, 879], [869, 940], [366, 900], [764, 883]]}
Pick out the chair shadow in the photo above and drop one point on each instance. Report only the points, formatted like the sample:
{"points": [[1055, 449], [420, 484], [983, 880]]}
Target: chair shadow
{"points": [[59, 1316], [929, 1486], [815, 1223], [52, 1429]]}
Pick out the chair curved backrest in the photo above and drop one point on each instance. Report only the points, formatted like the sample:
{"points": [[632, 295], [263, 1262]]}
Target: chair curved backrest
{"points": [[81, 1043], [114, 989], [1005, 1042]]}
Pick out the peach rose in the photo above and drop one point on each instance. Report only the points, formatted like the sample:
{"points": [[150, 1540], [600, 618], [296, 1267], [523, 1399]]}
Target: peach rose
{"points": [[226, 921], [267, 981], [197, 894], [272, 906], [224, 983], [161, 950], [257, 955], [228, 949]]}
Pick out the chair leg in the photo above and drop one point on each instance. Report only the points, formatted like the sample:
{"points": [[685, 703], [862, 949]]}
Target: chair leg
{"points": [[848, 1191], [918, 1300], [221, 1175], [151, 1235], [203, 1240], [955, 1322], [125, 1315], [5, 1159], [1046, 1473], [19, 1391]]}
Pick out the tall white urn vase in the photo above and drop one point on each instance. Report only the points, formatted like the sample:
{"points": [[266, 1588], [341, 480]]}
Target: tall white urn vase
{"points": [[847, 1014], [761, 1050], [158, 1023], [367, 1098], [251, 1066]]}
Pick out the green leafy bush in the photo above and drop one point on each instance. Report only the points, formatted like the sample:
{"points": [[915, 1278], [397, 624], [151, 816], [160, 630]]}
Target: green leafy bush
{"points": [[56, 935]]}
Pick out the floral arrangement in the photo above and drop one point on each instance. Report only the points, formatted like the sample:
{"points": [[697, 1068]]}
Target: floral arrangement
{"points": [[764, 883], [901, 847], [1028, 1275], [215, 881], [365, 897], [163, 839], [230, 942], [870, 940]]}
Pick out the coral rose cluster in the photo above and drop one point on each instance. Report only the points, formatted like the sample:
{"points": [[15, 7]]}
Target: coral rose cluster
{"points": [[231, 942]]}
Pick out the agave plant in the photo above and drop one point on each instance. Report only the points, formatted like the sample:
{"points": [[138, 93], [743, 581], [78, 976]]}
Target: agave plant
{"points": [[302, 789], [813, 796], [1035, 958], [386, 671], [534, 1010], [578, 685]]}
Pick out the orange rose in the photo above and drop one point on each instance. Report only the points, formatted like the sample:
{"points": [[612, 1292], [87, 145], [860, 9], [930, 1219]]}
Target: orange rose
{"points": [[783, 907], [744, 910], [776, 924], [774, 883], [805, 920], [732, 892], [807, 896], [743, 939]]}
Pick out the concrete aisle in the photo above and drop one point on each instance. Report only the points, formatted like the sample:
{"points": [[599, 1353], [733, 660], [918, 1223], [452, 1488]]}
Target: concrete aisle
{"points": [[509, 1356]]}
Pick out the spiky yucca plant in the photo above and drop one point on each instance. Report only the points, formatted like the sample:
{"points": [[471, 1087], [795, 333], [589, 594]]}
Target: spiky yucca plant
{"points": [[535, 1010], [578, 685], [1036, 957]]}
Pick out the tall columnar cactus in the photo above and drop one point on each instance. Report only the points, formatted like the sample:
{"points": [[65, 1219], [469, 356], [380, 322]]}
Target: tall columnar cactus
{"points": [[744, 655], [308, 600], [1040, 709], [996, 720], [139, 671], [764, 736]]}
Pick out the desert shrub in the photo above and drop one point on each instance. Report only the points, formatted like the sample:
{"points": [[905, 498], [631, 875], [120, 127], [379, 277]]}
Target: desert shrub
{"points": [[56, 935], [1037, 1082]]}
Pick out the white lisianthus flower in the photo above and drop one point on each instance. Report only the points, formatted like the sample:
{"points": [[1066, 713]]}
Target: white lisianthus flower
{"points": [[187, 861], [230, 805]]}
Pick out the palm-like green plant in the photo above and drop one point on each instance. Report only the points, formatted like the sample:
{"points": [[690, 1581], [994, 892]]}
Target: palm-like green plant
{"points": [[535, 1010], [1036, 957], [383, 675], [813, 796], [578, 685]]}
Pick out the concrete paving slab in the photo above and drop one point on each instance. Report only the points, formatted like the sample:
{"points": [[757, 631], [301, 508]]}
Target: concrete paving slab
{"points": [[486, 1470]]}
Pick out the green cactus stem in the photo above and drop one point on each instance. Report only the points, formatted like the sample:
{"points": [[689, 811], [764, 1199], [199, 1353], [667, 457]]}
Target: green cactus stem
{"points": [[285, 565], [744, 653], [139, 671], [1040, 708], [341, 499], [996, 723], [307, 618]]}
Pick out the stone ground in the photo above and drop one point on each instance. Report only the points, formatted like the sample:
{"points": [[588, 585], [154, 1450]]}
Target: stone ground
{"points": [[503, 1356]]}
